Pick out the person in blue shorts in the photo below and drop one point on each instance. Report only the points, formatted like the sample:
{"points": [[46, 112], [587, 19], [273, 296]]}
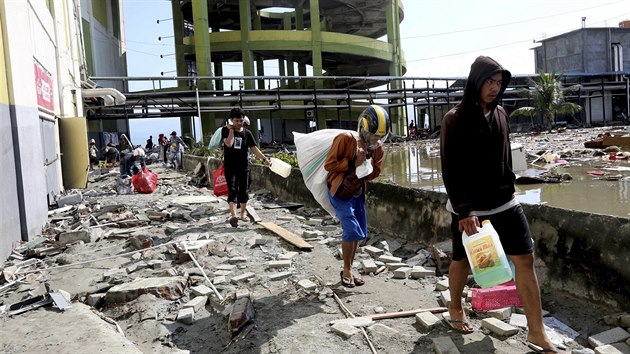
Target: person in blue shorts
{"points": [[347, 190]]}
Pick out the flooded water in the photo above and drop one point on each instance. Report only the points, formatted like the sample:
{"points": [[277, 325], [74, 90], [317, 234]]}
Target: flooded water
{"points": [[418, 166]]}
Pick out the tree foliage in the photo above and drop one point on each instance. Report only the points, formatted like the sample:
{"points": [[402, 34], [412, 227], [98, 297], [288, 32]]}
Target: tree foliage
{"points": [[548, 97]]}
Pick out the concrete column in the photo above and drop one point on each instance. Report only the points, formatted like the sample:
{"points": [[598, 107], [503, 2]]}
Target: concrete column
{"points": [[260, 62], [244, 9], [290, 66], [393, 38], [202, 42], [316, 39], [299, 26], [178, 36]]}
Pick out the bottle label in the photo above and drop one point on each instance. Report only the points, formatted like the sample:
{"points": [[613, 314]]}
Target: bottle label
{"points": [[483, 254]]}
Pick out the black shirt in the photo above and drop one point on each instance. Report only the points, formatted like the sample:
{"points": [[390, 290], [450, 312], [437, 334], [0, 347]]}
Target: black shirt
{"points": [[236, 155]]}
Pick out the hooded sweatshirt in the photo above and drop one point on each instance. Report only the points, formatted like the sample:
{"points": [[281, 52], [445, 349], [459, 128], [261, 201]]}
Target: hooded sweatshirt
{"points": [[475, 154]]}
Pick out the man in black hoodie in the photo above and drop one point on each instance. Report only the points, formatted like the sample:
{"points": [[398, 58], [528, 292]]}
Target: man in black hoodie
{"points": [[477, 173]]}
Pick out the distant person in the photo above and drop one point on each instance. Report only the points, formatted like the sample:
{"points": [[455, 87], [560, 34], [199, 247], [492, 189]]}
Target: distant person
{"points": [[237, 141], [163, 142], [477, 173], [347, 190], [412, 130], [93, 152], [177, 147], [149, 145], [111, 154]]}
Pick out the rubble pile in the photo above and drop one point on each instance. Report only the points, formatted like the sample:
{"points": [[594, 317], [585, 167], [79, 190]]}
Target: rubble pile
{"points": [[165, 272]]}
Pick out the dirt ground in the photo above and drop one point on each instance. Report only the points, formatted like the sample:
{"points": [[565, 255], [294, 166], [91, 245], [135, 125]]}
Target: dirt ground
{"points": [[288, 318]]}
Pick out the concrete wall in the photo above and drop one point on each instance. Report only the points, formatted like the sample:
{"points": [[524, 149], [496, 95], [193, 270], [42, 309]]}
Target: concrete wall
{"points": [[582, 253]]}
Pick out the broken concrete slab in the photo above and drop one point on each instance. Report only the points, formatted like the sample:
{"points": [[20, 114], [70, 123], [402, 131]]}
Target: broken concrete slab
{"points": [[610, 336], [616, 348], [201, 290], [368, 266], [307, 285], [444, 345], [241, 314], [498, 327], [171, 288], [427, 320], [66, 238], [186, 315], [197, 303], [242, 277], [344, 330], [280, 276]]}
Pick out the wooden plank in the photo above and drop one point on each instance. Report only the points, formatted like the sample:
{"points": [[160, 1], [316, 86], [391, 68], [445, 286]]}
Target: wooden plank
{"points": [[252, 212], [622, 141], [287, 235], [382, 316]]}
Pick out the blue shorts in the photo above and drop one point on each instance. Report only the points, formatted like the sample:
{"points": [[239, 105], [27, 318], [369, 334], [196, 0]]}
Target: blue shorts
{"points": [[352, 216]]}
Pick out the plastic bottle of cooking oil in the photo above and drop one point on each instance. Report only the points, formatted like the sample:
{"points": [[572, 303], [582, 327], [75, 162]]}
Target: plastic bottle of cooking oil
{"points": [[486, 257]]}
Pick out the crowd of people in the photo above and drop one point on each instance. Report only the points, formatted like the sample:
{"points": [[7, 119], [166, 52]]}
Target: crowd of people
{"points": [[131, 158]]}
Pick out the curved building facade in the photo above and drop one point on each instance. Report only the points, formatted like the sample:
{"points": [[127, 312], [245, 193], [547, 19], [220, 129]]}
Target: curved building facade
{"points": [[332, 37]]}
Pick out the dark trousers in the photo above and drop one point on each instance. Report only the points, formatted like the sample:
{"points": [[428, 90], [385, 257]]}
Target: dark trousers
{"points": [[237, 185]]}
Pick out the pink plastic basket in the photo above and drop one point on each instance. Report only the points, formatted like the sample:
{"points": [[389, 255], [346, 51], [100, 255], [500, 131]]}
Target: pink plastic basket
{"points": [[496, 297]]}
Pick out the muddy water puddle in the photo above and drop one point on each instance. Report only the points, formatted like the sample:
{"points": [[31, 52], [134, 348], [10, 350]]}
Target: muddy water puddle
{"points": [[418, 166]]}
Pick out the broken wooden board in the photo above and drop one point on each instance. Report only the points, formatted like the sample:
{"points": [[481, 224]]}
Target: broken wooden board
{"points": [[253, 214], [287, 235], [621, 141], [287, 205]]}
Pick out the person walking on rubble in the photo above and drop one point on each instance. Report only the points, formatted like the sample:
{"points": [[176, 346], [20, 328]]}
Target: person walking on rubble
{"points": [[237, 141], [347, 190], [177, 150], [477, 173]]}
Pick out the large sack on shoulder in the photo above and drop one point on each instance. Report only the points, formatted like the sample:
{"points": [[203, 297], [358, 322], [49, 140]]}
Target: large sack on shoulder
{"points": [[311, 151]]}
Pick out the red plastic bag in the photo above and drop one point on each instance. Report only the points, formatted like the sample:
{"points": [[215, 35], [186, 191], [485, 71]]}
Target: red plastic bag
{"points": [[219, 182], [145, 181]]}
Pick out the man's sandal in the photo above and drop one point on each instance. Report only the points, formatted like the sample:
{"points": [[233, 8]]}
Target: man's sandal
{"points": [[346, 282], [452, 323], [358, 281]]}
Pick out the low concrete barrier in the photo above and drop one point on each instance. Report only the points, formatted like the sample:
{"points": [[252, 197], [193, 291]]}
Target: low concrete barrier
{"points": [[582, 253]]}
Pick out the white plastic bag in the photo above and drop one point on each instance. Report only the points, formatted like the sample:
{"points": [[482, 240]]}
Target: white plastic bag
{"points": [[215, 141], [364, 169], [311, 151]]}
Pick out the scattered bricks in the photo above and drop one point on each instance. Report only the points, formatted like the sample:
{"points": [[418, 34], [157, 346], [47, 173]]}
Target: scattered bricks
{"points": [[96, 300], [518, 320], [186, 315], [242, 277], [242, 312], [261, 241], [389, 259], [501, 314], [313, 222], [373, 251], [284, 218], [229, 267], [394, 266], [383, 245], [114, 273], [307, 285], [170, 228], [610, 336], [442, 285], [444, 345], [382, 333], [418, 272], [143, 217], [368, 266], [279, 264], [74, 236], [445, 297], [279, 276], [402, 273], [201, 290], [223, 273], [131, 268], [617, 348], [427, 320], [498, 327], [300, 218], [70, 199], [618, 320], [219, 280], [141, 241], [156, 264], [344, 330], [287, 256], [197, 303], [136, 256], [241, 293], [234, 260], [171, 288], [311, 234]]}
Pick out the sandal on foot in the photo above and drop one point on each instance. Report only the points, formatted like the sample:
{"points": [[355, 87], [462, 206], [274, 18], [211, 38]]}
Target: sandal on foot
{"points": [[234, 221], [244, 218], [452, 323], [358, 281], [539, 349], [346, 282]]}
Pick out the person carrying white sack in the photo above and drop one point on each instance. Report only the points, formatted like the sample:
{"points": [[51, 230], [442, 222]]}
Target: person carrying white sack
{"points": [[346, 189]]}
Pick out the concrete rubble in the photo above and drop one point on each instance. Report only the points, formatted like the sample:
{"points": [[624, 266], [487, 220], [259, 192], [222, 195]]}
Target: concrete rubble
{"points": [[165, 272]]}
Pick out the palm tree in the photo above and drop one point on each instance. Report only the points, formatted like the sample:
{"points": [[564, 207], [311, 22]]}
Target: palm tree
{"points": [[548, 97]]}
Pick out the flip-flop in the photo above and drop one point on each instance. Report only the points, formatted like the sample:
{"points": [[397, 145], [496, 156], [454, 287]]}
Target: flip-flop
{"points": [[358, 281], [244, 218], [451, 323], [539, 349], [346, 282]]}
